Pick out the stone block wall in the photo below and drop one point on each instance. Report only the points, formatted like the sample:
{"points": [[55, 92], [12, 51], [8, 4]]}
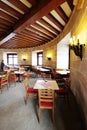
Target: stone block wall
{"points": [[79, 67], [47, 48]]}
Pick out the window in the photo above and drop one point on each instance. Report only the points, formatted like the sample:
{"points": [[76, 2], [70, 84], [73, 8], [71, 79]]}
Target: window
{"points": [[63, 53], [39, 58], [12, 59]]}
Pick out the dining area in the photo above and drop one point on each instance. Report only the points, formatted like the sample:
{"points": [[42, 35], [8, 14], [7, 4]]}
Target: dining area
{"points": [[45, 91], [11, 75], [31, 115]]}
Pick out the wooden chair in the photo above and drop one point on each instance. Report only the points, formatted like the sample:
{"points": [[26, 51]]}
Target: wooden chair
{"points": [[64, 89], [13, 77], [30, 92], [8, 74], [4, 81], [56, 76], [46, 101], [45, 76]]}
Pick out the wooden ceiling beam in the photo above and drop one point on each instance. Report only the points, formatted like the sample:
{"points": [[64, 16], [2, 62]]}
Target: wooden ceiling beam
{"points": [[19, 5], [32, 2], [51, 18], [28, 33], [31, 36], [70, 2], [43, 8], [48, 26], [43, 30], [2, 25], [4, 21], [27, 39], [10, 10], [39, 33], [61, 13], [7, 16]]}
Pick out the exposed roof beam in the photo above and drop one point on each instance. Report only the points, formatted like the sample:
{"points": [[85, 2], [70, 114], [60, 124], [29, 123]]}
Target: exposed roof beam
{"points": [[7, 38], [44, 7]]}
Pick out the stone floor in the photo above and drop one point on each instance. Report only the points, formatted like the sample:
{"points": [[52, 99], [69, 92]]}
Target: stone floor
{"points": [[15, 115]]}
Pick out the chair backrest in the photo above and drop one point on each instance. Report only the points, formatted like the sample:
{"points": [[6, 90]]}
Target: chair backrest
{"points": [[67, 82], [55, 75], [12, 75], [8, 75], [21, 69], [26, 82], [46, 96], [4, 79]]}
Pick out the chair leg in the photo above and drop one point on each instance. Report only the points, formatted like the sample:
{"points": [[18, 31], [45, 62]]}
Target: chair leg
{"points": [[15, 83], [39, 115], [1, 88], [67, 97], [7, 86], [26, 98], [53, 115]]}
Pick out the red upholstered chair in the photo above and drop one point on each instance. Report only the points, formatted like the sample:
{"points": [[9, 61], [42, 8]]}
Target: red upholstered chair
{"points": [[63, 90], [56, 76], [4, 81], [46, 101], [13, 77], [30, 92]]}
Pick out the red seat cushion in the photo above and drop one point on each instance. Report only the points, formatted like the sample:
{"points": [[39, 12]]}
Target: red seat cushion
{"points": [[4, 82], [25, 75], [12, 78], [46, 104], [61, 91], [31, 90]]}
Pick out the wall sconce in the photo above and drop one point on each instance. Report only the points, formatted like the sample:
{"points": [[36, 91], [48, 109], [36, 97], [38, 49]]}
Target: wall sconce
{"points": [[49, 58], [76, 46], [24, 59]]}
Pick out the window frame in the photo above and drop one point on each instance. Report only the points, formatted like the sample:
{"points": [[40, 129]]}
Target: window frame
{"points": [[38, 55], [12, 54]]}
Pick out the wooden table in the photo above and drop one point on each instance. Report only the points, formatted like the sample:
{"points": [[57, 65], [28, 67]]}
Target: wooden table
{"points": [[46, 84], [63, 72], [19, 73]]}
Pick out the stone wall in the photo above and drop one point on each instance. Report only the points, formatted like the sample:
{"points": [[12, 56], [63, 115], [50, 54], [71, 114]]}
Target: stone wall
{"points": [[47, 48], [79, 67]]}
